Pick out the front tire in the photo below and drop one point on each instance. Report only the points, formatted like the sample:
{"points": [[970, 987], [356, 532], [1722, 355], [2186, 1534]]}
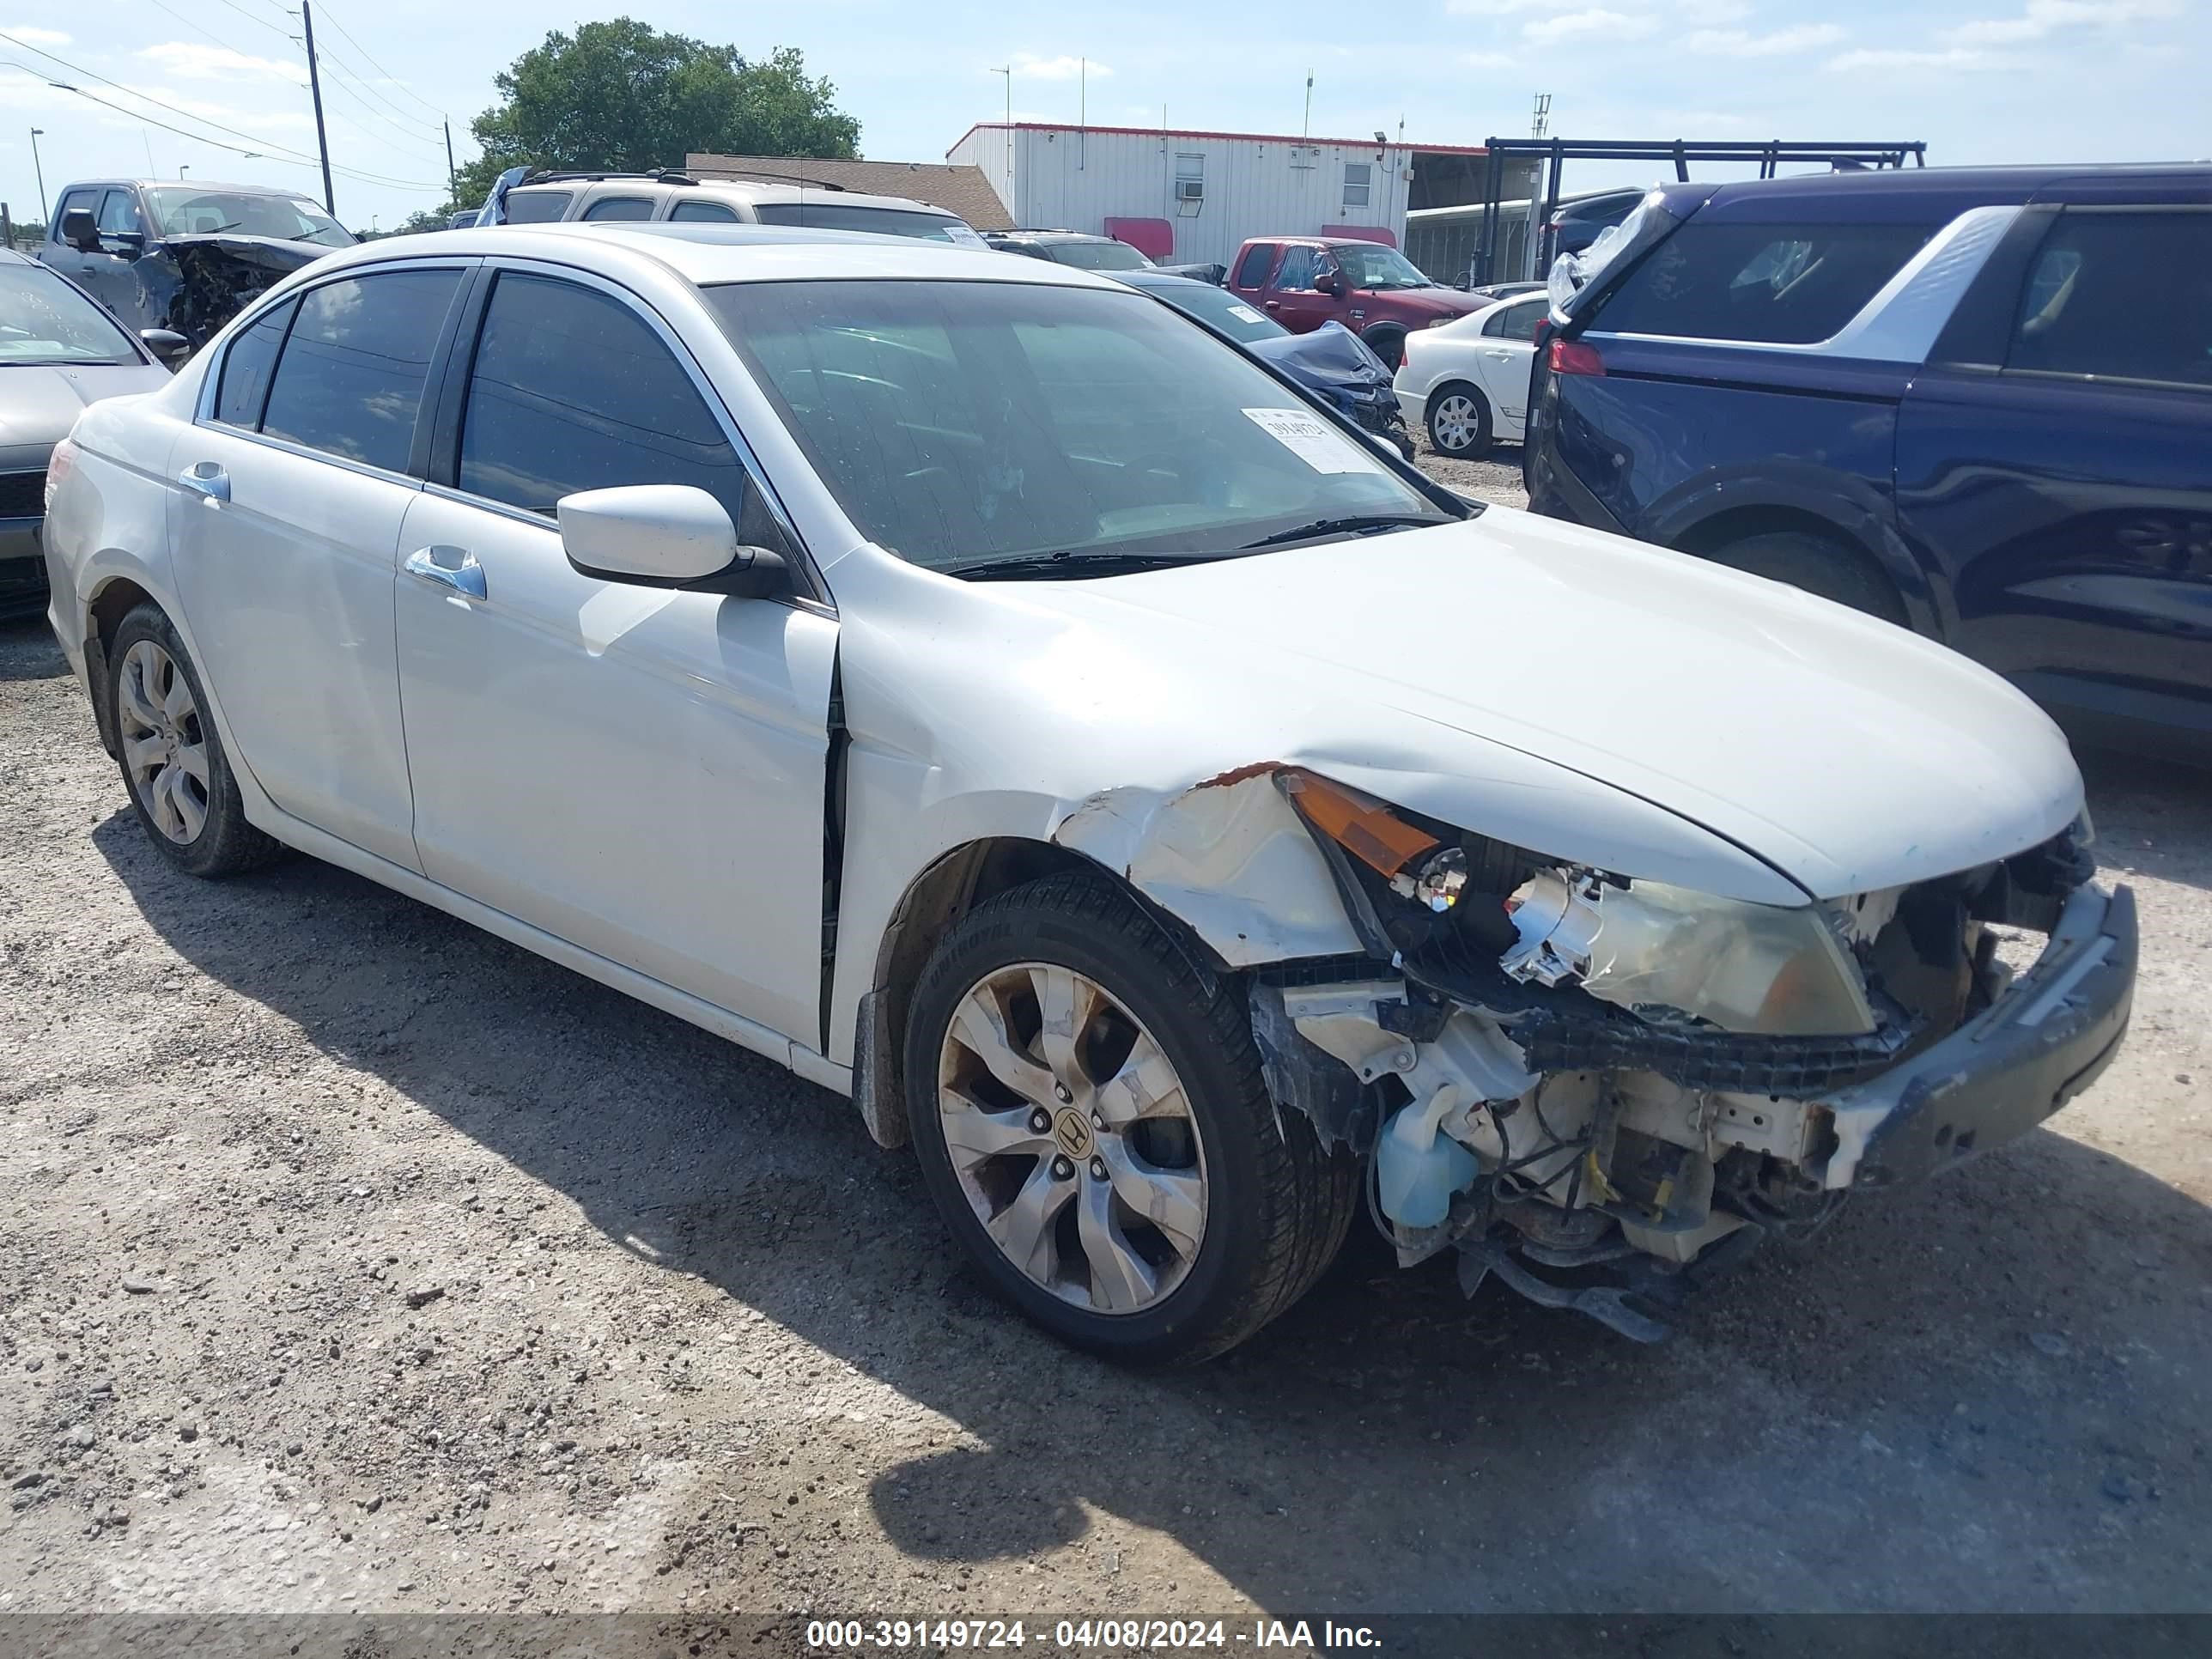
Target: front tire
{"points": [[1459, 421], [174, 765], [1089, 1117]]}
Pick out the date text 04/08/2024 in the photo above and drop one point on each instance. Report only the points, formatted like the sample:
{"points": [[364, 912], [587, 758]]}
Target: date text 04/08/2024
{"points": [[1079, 1635]]}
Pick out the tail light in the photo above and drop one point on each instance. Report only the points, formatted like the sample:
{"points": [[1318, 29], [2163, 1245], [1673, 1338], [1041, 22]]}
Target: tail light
{"points": [[57, 468], [1573, 357]]}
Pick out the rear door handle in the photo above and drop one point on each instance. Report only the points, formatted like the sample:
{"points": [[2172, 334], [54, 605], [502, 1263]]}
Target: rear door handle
{"points": [[449, 566], [207, 478]]}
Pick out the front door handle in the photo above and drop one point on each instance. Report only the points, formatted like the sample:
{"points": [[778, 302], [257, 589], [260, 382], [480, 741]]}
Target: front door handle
{"points": [[208, 478], [449, 566]]}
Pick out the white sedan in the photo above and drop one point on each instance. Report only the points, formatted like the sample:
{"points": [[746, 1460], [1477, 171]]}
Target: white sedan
{"points": [[1467, 383], [968, 684]]}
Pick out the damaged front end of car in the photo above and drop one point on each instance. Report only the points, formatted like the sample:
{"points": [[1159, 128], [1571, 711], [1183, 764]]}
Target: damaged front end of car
{"points": [[1585, 1083], [194, 284]]}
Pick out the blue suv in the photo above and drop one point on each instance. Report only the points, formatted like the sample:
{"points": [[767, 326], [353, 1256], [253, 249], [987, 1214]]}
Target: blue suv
{"points": [[1974, 402]]}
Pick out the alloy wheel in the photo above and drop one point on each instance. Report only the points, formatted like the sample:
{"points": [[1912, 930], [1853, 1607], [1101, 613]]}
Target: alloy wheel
{"points": [[164, 745], [1072, 1137], [1458, 421]]}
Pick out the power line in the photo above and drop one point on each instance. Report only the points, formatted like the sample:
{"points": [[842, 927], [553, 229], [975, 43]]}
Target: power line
{"points": [[342, 84], [292, 160], [266, 146], [253, 18], [332, 21], [355, 76]]}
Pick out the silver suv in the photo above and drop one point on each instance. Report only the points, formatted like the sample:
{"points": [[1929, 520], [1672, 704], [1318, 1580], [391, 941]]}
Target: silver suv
{"points": [[548, 198]]}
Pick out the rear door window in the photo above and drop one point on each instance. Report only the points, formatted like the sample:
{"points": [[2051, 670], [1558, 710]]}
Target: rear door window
{"points": [[1252, 269], [350, 381], [1770, 284], [538, 207], [572, 390], [712, 213], [1516, 322], [2126, 295], [620, 207]]}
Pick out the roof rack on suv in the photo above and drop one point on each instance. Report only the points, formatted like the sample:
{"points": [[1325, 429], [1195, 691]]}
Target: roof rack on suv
{"points": [[659, 175], [780, 177]]}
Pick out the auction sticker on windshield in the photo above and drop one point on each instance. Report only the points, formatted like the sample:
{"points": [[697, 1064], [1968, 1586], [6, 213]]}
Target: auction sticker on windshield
{"points": [[1246, 315], [1311, 439]]}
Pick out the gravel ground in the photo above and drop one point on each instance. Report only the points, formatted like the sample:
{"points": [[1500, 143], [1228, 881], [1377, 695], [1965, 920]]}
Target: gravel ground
{"points": [[351, 1259]]}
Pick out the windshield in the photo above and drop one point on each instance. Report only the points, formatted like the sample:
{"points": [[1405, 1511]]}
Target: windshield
{"points": [[43, 319], [884, 221], [1097, 256], [1370, 265], [1219, 307], [960, 424], [187, 211]]}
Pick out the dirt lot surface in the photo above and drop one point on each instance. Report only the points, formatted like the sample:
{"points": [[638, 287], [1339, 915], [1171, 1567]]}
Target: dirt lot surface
{"points": [[352, 1260]]}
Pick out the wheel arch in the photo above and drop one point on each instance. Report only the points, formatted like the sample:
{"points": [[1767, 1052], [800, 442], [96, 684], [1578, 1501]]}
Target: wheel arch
{"points": [[115, 597], [936, 898], [1709, 514]]}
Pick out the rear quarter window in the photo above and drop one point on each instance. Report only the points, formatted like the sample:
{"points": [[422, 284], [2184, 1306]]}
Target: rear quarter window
{"points": [[1771, 284]]}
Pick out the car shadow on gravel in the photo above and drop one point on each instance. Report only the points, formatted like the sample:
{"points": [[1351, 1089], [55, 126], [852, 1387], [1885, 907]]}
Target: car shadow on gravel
{"points": [[28, 650], [1988, 1392]]}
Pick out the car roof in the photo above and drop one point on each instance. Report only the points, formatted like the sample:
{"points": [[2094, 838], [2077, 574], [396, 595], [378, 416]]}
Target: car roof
{"points": [[707, 254], [1930, 193], [198, 184], [9, 257]]}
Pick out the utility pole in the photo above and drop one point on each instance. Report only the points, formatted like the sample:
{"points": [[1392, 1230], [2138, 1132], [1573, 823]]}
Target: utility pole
{"points": [[38, 133], [453, 179], [315, 86], [1306, 125]]}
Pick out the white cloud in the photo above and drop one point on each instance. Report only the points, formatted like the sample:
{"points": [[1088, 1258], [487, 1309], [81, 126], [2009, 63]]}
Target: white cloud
{"points": [[31, 37], [194, 62], [2044, 17], [1887, 58], [1566, 26], [1712, 11], [1743, 43], [1030, 67], [1495, 8]]}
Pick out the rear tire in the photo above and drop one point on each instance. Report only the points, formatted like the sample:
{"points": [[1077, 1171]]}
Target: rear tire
{"points": [[1820, 565], [1459, 421], [1251, 1208], [173, 766]]}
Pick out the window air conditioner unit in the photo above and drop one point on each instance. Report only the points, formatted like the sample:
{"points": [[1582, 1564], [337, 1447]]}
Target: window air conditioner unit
{"points": [[1190, 190]]}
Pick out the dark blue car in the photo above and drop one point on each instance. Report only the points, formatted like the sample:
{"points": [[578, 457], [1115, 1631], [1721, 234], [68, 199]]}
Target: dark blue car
{"points": [[1976, 402]]}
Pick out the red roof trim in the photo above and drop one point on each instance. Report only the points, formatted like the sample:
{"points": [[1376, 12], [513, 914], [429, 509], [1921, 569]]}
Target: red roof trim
{"points": [[1199, 132]]}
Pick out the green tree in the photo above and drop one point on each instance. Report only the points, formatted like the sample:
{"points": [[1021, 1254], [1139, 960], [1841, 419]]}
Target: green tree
{"points": [[622, 96]]}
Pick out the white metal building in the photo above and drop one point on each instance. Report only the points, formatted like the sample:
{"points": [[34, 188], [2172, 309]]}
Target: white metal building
{"points": [[1189, 197]]}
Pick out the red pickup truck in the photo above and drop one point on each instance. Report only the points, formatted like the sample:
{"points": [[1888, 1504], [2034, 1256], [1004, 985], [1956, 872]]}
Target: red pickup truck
{"points": [[1303, 281]]}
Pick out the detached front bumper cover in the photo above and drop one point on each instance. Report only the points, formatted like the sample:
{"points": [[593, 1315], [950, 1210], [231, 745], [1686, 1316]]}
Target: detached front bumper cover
{"points": [[2041, 1043]]}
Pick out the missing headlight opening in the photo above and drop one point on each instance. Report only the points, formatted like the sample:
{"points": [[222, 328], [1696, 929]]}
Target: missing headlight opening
{"points": [[1595, 1085]]}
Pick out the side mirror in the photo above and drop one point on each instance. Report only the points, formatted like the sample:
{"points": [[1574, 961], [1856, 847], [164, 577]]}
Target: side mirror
{"points": [[664, 535], [1328, 282], [79, 231], [168, 345]]}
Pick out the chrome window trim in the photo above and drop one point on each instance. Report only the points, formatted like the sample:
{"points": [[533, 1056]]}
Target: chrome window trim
{"points": [[805, 564], [1901, 322]]}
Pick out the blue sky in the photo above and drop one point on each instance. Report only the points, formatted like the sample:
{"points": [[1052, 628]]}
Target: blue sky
{"points": [[1982, 81]]}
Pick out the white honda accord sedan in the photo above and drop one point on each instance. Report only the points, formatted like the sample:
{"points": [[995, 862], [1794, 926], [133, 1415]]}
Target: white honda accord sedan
{"points": [[976, 687]]}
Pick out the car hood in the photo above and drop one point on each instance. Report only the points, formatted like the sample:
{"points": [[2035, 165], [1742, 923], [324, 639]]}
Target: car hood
{"points": [[1425, 301], [1331, 354], [1847, 753], [39, 402]]}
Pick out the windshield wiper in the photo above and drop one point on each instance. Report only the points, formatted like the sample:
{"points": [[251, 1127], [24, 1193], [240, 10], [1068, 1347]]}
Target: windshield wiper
{"points": [[1077, 561], [1365, 524]]}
